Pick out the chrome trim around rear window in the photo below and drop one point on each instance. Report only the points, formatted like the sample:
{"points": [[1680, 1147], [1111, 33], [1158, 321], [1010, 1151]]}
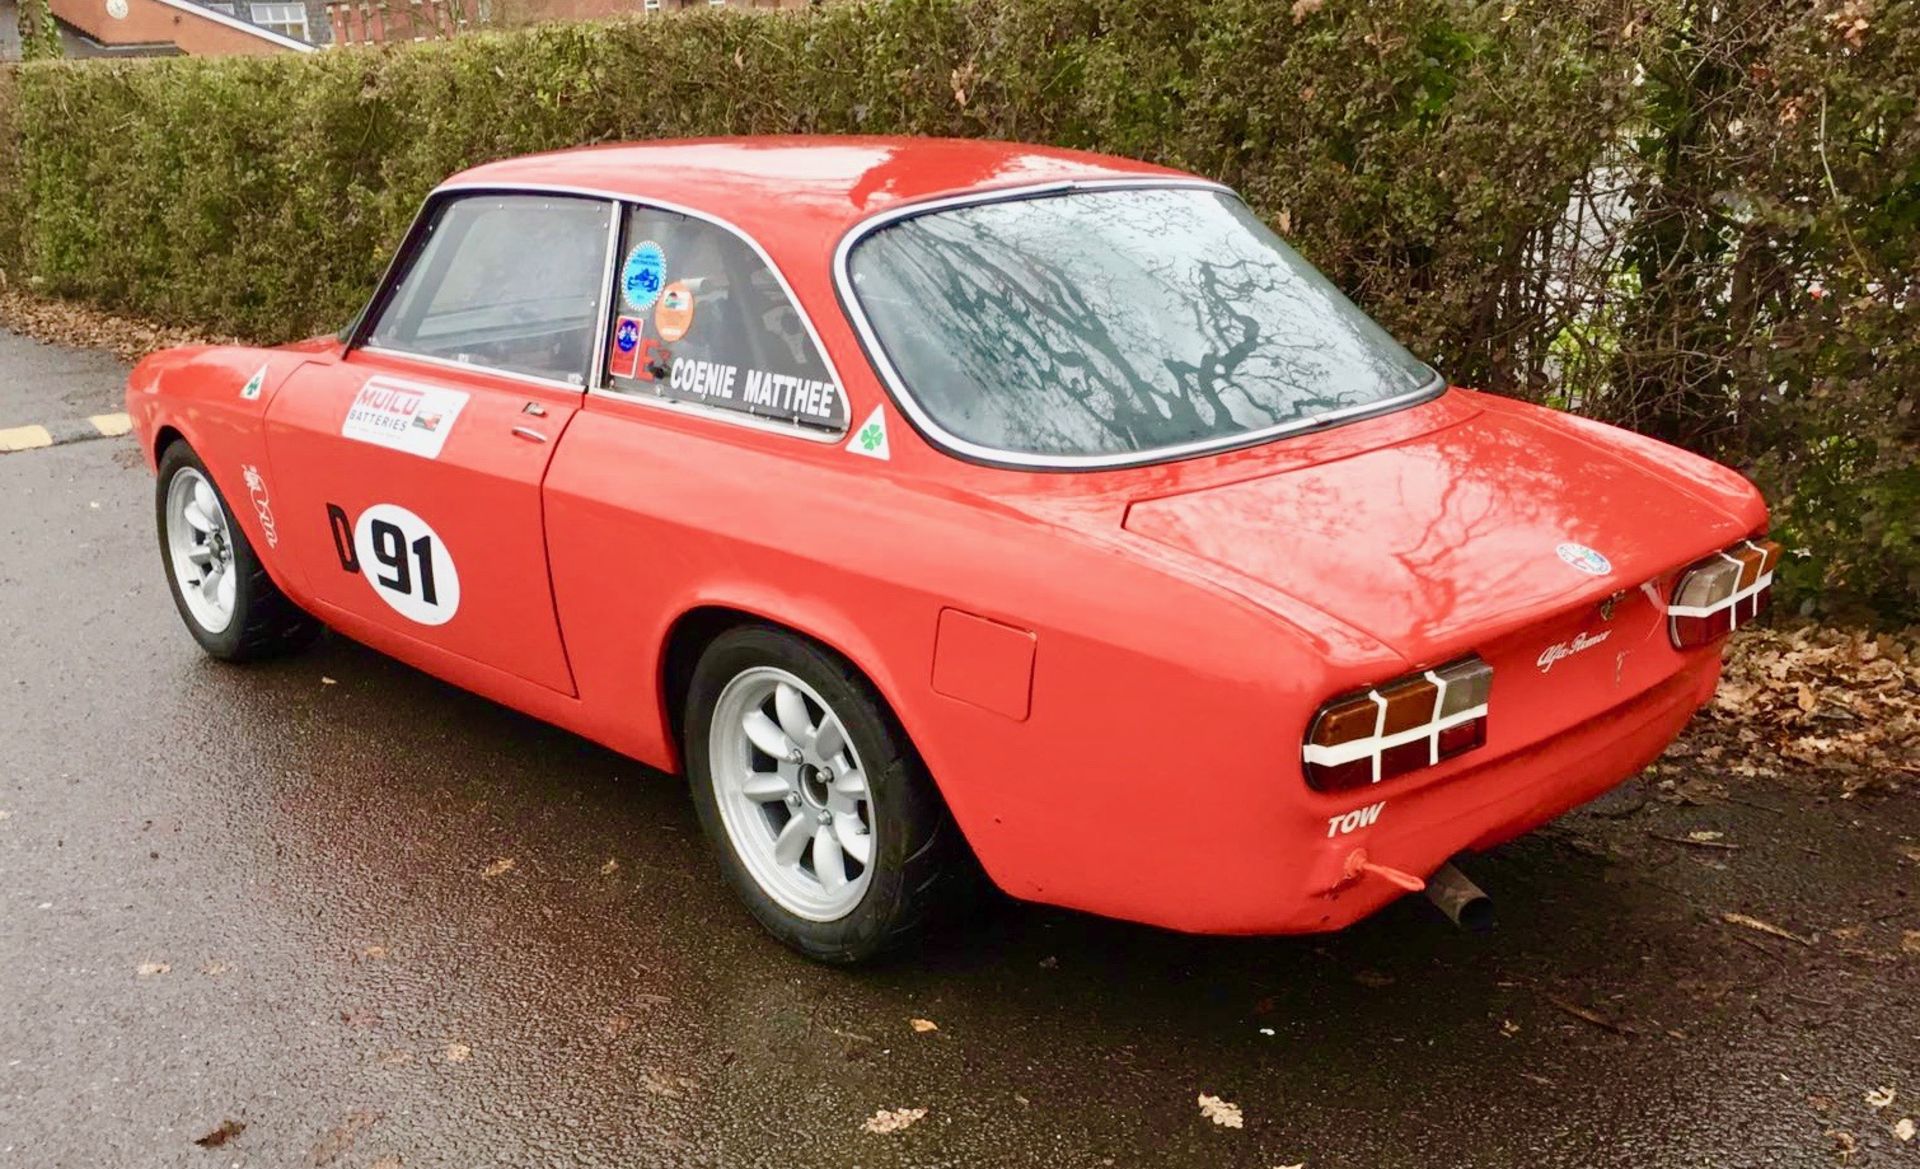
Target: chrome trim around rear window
{"points": [[953, 444]]}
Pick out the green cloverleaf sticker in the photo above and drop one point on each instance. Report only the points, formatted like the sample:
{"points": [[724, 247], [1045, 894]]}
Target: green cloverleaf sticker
{"points": [[871, 439]]}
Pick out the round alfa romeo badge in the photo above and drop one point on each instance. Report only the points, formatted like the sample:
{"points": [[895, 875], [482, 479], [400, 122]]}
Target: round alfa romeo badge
{"points": [[1585, 559], [643, 276]]}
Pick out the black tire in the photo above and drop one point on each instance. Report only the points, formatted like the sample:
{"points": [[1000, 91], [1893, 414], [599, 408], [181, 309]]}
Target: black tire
{"points": [[921, 865], [265, 623]]}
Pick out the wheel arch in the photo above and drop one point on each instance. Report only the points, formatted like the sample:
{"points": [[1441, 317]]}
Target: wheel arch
{"points": [[696, 627], [163, 437]]}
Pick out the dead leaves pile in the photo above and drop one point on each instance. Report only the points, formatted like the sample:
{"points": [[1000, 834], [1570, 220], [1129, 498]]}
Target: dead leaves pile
{"points": [[63, 322], [1840, 705]]}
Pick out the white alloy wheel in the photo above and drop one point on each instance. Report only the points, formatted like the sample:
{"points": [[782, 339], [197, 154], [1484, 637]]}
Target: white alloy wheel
{"points": [[792, 793], [200, 545]]}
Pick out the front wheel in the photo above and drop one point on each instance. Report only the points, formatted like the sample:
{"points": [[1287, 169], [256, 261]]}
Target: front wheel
{"points": [[825, 821], [230, 604]]}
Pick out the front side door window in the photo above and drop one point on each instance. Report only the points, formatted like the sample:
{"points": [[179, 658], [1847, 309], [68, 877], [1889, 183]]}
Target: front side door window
{"points": [[408, 473], [505, 282], [697, 317]]}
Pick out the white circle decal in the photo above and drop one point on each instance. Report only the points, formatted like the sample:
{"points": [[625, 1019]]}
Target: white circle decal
{"points": [[117, 9], [1584, 558], [407, 564]]}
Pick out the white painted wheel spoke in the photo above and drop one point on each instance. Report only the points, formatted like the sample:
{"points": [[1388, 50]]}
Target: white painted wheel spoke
{"points": [[851, 784], [856, 844], [210, 585], [196, 518], [767, 735], [762, 787], [792, 840], [206, 500], [223, 596], [829, 740], [829, 863], [200, 554], [792, 709]]}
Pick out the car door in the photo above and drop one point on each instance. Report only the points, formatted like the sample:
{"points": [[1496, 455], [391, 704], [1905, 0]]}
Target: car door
{"points": [[411, 467]]}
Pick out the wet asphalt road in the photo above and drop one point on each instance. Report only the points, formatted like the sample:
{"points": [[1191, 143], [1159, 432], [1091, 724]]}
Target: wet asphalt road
{"points": [[279, 896]]}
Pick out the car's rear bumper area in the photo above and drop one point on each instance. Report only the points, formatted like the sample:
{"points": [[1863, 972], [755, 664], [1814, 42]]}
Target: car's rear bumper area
{"points": [[1419, 830]]}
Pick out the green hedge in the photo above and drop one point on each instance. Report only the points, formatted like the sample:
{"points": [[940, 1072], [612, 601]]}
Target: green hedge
{"points": [[1424, 152]]}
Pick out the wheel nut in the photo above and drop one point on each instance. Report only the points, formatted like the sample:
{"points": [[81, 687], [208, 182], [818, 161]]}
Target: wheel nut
{"points": [[793, 799], [794, 756], [826, 774], [826, 817]]}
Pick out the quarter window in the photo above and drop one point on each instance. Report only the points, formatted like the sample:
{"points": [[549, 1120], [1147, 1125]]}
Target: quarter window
{"points": [[698, 317], [508, 282]]}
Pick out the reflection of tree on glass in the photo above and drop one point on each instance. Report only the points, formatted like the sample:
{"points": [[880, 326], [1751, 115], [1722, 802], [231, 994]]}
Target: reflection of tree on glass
{"points": [[1100, 323]]}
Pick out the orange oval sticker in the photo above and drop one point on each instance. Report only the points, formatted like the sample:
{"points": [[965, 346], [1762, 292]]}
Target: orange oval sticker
{"points": [[673, 316]]}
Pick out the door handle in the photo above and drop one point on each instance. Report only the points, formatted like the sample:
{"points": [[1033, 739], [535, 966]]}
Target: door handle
{"points": [[529, 433]]}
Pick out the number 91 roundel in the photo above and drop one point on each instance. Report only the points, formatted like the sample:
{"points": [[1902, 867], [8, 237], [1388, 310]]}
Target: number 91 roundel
{"points": [[404, 560]]}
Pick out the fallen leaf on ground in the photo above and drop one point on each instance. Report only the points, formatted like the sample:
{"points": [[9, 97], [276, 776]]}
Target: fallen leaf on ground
{"points": [[1509, 1027], [497, 868], [1910, 941], [672, 1087], [149, 969], [1903, 1128], [611, 867], [390, 1161], [1765, 927], [1880, 1098], [1594, 1017], [1910, 851], [396, 1058], [890, 1120], [215, 968], [923, 1025], [4, 813], [1704, 837], [1221, 1112], [227, 1130], [457, 1052], [374, 953], [326, 681], [341, 1136]]}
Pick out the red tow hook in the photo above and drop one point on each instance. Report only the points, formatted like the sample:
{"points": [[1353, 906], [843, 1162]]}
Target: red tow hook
{"points": [[1357, 864]]}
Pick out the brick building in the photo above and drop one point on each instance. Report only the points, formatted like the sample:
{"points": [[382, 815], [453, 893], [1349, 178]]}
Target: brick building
{"points": [[156, 28]]}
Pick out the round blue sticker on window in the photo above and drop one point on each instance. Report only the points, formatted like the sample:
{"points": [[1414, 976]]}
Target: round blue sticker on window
{"points": [[643, 276], [627, 335]]}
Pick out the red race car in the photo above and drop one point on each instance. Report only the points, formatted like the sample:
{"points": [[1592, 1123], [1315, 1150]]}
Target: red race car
{"points": [[938, 506]]}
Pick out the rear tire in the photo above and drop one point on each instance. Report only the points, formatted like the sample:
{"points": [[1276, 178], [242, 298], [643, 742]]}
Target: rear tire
{"points": [[791, 842], [223, 593]]}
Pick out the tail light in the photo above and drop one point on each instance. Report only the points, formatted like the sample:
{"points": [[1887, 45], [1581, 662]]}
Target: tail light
{"points": [[1400, 726], [1717, 595]]}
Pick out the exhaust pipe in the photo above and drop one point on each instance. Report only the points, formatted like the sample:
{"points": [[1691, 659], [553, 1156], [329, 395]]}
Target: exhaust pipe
{"points": [[1465, 903]]}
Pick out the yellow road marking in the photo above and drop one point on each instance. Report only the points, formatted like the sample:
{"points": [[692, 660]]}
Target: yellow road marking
{"points": [[24, 438], [111, 425]]}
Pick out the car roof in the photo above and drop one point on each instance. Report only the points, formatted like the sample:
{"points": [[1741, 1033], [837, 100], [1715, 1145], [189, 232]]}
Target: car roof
{"points": [[803, 184]]}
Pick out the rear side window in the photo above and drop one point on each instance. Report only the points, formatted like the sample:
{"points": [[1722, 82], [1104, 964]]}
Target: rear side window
{"points": [[698, 317], [509, 282]]}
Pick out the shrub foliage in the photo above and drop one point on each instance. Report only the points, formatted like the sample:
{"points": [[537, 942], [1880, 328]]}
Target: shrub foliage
{"points": [[1696, 217]]}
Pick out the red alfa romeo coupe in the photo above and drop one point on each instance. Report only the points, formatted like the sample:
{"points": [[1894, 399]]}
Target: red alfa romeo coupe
{"points": [[943, 504]]}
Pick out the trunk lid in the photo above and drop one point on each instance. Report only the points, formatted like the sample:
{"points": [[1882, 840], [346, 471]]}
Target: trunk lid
{"points": [[1464, 533]]}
